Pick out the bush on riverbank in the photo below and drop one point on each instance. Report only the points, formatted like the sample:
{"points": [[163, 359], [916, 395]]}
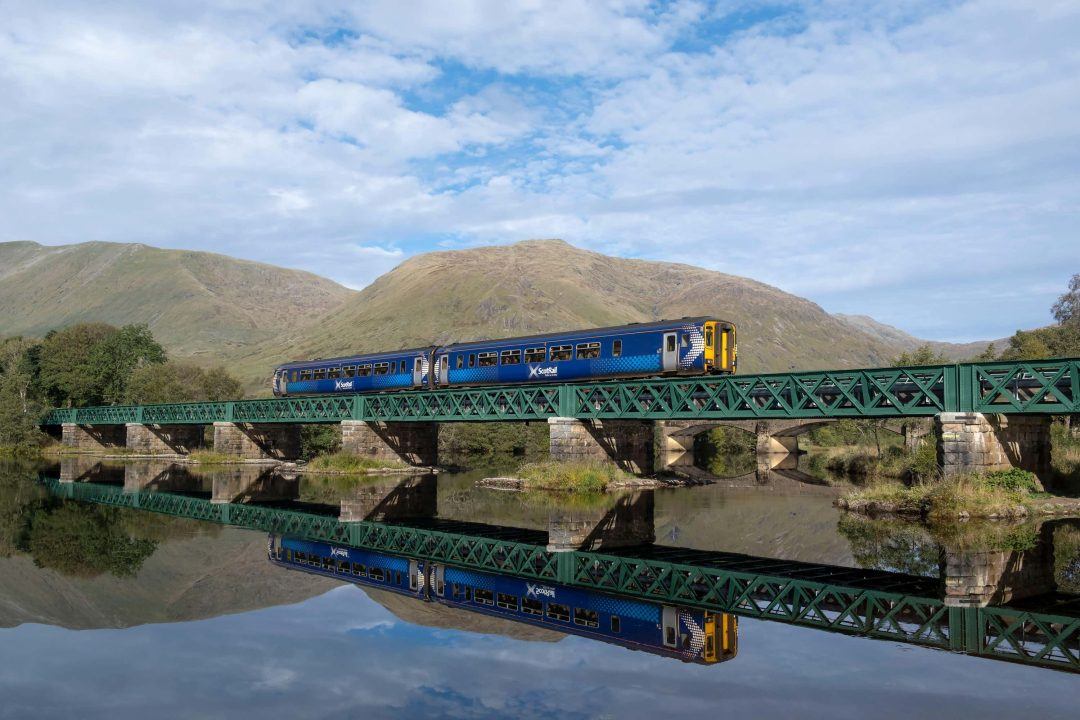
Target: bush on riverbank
{"points": [[999, 494], [346, 462], [895, 462], [577, 477]]}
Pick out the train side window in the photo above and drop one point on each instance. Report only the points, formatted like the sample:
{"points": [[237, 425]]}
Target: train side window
{"points": [[671, 343], [460, 361], [376, 573], [616, 624], [333, 373], [358, 569], [510, 357], [320, 374], [532, 607], [293, 376], [484, 597], [403, 366], [669, 636], [397, 577], [487, 359], [472, 359], [382, 368], [363, 370], [686, 340], [507, 602], [588, 351], [561, 352], [535, 355], [555, 611], [587, 618], [305, 375], [348, 371], [616, 348]]}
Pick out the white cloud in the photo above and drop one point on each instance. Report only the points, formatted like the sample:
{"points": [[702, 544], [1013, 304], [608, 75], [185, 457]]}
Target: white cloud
{"points": [[875, 156]]}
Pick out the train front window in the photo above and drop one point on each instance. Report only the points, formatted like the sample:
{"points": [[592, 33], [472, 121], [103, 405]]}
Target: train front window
{"points": [[561, 352], [510, 357], [616, 348], [708, 336], [487, 359], [588, 351], [535, 355]]}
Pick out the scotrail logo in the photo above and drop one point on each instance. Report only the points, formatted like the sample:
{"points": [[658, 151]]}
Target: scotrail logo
{"points": [[543, 372], [539, 590], [343, 385], [339, 552]]}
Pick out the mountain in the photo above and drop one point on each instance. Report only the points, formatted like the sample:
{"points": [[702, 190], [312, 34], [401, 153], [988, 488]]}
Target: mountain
{"points": [[197, 304], [253, 316], [546, 285], [890, 335]]}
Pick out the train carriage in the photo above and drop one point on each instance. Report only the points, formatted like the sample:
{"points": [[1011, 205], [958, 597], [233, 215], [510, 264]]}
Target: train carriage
{"points": [[690, 346], [687, 634]]}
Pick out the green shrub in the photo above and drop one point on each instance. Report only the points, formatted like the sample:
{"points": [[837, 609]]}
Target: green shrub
{"points": [[582, 477], [1012, 480], [349, 462]]}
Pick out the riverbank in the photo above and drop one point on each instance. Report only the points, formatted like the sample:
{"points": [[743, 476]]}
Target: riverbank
{"points": [[588, 477]]}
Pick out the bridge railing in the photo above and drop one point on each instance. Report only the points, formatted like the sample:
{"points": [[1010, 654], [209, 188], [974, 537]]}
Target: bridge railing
{"points": [[1042, 387]]}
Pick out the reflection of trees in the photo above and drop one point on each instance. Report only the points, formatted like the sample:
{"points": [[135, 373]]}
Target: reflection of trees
{"points": [[20, 496], [725, 451], [85, 541], [1067, 559], [891, 545]]}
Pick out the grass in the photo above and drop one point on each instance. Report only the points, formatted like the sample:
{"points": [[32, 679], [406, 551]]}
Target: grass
{"points": [[346, 462], [1001, 494], [209, 457], [577, 477]]}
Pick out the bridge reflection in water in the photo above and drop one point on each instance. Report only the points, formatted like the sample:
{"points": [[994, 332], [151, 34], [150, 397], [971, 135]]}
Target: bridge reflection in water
{"points": [[1000, 604]]}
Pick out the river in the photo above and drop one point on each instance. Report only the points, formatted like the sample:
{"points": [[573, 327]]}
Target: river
{"points": [[122, 612]]}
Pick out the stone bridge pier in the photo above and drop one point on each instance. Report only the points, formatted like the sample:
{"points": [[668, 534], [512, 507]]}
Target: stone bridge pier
{"points": [[93, 438], [994, 577], [627, 443], [381, 499], [977, 442], [631, 521], [412, 443], [163, 439], [265, 441], [252, 484]]}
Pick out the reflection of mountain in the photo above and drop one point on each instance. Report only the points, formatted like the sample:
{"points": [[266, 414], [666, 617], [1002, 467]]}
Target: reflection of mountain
{"points": [[433, 614], [192, 578]]}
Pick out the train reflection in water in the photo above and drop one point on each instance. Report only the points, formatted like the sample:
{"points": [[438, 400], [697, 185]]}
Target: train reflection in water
{"points": [[690, 635]]}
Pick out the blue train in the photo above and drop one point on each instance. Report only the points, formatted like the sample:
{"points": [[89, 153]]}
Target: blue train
{"points": [[690, 346], [690, 635]]}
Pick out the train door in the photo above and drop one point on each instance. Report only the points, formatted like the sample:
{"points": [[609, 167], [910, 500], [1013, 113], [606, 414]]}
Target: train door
{"points": [[671, 352], [670, 626], [418, 372], [438, 580], [444, 370]]}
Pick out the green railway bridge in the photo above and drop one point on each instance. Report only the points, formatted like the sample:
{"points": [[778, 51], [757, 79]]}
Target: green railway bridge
{"points": [[984, 415]]}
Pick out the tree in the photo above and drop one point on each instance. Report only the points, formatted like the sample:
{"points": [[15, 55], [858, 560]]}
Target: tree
{"points": [[65, 374], [1067, 308], [180, 382], [115, 358], [20, 406], [987, 355], [922, 355]]}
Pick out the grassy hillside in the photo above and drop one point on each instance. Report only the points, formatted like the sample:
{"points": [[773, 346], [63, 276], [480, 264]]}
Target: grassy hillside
{"points": [[197, 304], [544, 285]]}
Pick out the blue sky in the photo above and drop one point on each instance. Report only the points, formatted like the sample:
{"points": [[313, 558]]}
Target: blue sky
{"points": [[915, 161]]}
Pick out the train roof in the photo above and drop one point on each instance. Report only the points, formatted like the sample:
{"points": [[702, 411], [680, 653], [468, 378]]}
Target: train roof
{"points": [[586, 332], [376, 356]]}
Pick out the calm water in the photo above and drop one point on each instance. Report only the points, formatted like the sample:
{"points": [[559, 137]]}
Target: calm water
{"points": [[124, 613]]}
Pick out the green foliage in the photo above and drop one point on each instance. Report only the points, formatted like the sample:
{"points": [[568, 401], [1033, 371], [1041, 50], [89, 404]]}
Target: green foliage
{"points": [[1013, 479], [66, 378], [987, 355], [20, 496], [922, 355], [1067, 308], [725, 451], [472, 440], [20, 406], [344, 462], [85, 541], [1067, 559], [180, 382], [116, 357], [578, 477], [891, 545], [318, 440]]}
